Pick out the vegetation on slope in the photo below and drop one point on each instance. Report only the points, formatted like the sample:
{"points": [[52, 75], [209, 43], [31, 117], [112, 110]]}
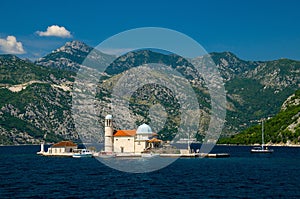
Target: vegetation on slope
{"points": [[282, 128], [14, 71]]}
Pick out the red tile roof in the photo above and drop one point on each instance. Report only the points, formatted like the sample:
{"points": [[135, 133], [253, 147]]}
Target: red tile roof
{"points": [[125, 133], [64, 144], [154, 140]]}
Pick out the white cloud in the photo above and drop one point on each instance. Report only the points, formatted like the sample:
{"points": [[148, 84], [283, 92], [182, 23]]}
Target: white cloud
{"points": [[56, 31], [11, 45]]}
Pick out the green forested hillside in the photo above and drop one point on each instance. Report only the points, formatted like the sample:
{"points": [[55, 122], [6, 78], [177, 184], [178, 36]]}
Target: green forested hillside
{"points": [[282, 128]]}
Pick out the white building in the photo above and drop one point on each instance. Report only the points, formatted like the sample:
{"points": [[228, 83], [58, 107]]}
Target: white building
{"points": [[63, 148], [129, 141]]}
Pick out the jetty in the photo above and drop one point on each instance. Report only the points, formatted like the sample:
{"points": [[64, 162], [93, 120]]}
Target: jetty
{"points": [[69, 149], [186, 153], [164, 155], [197, 155]]}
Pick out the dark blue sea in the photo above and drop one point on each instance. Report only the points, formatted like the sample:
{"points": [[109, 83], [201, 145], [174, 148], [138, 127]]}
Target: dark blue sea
{"points": [[23, 174]]}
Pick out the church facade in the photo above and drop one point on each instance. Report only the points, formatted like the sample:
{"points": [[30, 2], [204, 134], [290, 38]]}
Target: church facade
{"points": [[129, 141]]}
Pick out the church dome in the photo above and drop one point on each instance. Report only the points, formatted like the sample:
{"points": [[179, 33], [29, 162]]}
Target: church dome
{"points": [[108, 117], [144, 129]]}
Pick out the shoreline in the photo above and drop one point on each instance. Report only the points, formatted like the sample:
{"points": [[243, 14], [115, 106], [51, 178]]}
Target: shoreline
{"points": [[269, 145], [249, 145]]}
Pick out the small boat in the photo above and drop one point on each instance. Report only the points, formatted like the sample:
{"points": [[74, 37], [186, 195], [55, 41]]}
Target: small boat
{"points": [[82, 153], [262, 148]]}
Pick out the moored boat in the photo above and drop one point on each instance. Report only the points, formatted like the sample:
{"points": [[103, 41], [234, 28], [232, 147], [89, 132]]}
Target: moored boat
{"points": [[82, 153], [262, 148]]}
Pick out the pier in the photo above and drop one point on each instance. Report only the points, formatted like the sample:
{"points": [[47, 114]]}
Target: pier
{"points": [[197, 155]]}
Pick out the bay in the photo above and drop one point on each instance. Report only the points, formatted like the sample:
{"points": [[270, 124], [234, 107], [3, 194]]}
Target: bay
{"points": [[23, 174]]}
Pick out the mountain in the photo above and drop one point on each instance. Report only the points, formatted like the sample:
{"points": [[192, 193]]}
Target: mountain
{"points": [[71, 55], [151, 94], [17, 71], [283, 128], [259, 92], [255, 89], [230, 66], [36, 98], [35, 102]]}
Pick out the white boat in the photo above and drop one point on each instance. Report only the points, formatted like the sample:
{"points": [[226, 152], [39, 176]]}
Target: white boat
{"points": [[262, 148], [82, 153]]}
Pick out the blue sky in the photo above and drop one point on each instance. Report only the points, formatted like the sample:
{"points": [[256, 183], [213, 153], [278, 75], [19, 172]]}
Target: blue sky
{"points": [[253, 30]]}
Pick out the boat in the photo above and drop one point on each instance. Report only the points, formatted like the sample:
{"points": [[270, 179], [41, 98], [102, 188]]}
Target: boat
{"points": [[262, 148], [82, 153]]}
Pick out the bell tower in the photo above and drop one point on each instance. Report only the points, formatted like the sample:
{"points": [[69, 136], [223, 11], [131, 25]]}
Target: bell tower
{"points": [[108, 140]]}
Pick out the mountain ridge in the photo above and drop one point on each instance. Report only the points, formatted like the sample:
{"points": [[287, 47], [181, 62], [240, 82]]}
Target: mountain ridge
{"points": [[255, 89]]}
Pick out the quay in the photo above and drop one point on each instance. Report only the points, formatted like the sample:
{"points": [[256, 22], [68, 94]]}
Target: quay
{"points": [[167, 155], [197, 155]]}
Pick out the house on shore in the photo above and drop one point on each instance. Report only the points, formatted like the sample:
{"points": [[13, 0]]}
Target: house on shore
{"points": [[63, 148]]}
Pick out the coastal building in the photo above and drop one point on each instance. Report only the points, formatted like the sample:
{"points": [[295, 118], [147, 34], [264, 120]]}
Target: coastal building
{"points": [[63, 148], [129, 141]]}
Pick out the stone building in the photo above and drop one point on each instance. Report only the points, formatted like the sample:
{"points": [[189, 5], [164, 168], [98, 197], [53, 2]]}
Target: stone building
{"points": [[129, 141]]}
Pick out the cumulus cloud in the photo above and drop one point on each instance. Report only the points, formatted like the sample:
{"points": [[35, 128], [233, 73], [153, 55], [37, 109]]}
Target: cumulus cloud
{"points": [[11, 45], [55, 31]]}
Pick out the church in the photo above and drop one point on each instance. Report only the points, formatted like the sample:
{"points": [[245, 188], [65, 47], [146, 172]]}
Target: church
{"points": [[129, 141]]}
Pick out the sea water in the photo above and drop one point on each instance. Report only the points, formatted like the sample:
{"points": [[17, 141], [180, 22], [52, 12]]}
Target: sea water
{"points": [[23, 174]]}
